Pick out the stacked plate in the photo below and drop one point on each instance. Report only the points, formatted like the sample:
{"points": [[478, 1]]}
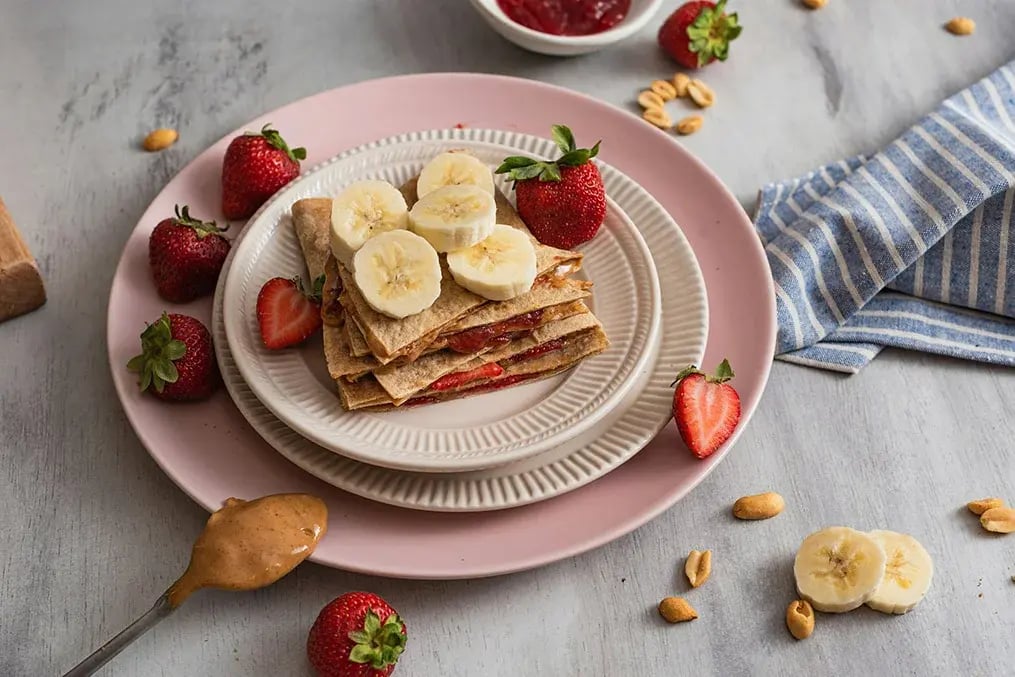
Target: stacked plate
{"points": [[496, 450]]}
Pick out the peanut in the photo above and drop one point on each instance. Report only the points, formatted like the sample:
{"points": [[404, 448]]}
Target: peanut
{"points": [[658, 117], [689, 125], [814, 4], [160, 139], [961, 25], [680, 82], [800, 619], [984, 504], [758, 506], [700, 93], [698, 567], [676, 610], [649, 99], [999, 520], [665, 90]]}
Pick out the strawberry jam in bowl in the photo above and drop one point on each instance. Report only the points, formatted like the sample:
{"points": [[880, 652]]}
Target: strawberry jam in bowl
{"points": [[567, 17], [566, 27]]}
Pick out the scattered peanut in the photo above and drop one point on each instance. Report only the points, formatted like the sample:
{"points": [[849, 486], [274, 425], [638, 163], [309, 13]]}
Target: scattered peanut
{"points": [[999, 520], [665, 90], [800, 619], [700, 93], [649, 99], [676, 610], [680, 82], [160, 139], [758, 506], [690, 124], [658, 117], [698, 567], [814, 4], [984, 504], [961, 25]]}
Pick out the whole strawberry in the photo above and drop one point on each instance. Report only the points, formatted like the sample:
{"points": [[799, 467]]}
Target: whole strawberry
{"points": [[256, 165], [357, 635], [176, 360], [185, 256], [698, 33], [706, 408], [563, 202]]}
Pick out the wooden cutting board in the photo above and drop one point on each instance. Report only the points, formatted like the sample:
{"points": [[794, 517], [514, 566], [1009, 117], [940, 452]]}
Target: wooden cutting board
{"points": [[21, 288]]}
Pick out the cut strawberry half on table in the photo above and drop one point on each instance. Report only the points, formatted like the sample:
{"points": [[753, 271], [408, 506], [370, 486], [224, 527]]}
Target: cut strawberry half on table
{"points": [[286, 313], [706, 408]]}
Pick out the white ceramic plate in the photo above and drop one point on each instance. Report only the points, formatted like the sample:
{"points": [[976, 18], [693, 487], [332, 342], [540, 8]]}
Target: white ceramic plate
{"points": [[616, 438], [468, 434]]}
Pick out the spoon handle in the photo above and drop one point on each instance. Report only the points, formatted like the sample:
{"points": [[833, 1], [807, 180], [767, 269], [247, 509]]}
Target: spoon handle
{"points": [[105, 653]]}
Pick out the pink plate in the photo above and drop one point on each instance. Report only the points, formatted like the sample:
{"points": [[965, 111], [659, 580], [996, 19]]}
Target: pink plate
{"points": [[212, 454]]}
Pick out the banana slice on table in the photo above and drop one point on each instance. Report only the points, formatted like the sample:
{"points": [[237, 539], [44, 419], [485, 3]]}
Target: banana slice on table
{"points": [[498, 268], [365, 209], [454, 168], [398, 273], [837, 569], [454, 217], [908, 571]]}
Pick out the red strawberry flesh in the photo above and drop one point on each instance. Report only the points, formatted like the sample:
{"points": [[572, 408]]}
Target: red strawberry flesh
{"points": [[285, 314], [706, 409]]}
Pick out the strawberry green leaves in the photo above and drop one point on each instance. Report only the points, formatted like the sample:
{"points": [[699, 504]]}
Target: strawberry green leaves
{"points": [[158, 352], [378, 644], [520, 168], [711, 33], [275, 140]]}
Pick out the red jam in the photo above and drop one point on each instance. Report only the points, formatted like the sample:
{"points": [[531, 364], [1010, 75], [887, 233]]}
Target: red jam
{"points": [[566, 17], [458, 379], [475, 339], [499, 384], [538, 351]]}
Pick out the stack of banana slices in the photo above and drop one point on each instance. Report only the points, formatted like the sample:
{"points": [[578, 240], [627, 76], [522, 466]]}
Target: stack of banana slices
{"points": [[839, 569], [436, 289], [393, 250]]}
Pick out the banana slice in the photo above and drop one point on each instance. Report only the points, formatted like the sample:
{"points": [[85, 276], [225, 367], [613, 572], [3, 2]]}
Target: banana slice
{"points": [[454, 217], [837, 569], [454, 168], [398, 273], [362, 210], [498, 268], [908, 571]]}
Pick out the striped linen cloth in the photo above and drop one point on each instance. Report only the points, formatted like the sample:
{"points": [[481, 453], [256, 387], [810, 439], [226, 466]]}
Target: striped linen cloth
{"points": [[913, 247]]}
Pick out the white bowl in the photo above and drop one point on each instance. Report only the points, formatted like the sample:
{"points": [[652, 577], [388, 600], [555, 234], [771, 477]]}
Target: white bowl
{"points": [[565, 45]]}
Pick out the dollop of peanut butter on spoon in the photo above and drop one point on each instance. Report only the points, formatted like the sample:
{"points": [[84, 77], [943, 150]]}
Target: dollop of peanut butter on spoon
{"points": [[251, 544], [244, 546]]}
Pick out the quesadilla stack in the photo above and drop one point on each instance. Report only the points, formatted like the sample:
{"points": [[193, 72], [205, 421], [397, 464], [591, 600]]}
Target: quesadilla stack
{"points": [[462, 344]]}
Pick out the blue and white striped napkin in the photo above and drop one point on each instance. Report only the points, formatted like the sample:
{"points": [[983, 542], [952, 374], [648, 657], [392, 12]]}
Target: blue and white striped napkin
{"points": [[913, 247]]}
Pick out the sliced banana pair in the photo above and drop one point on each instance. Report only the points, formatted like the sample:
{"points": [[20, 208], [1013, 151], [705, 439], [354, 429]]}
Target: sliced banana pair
{"points": [[398, 273], [361, 211], [838, 569]]}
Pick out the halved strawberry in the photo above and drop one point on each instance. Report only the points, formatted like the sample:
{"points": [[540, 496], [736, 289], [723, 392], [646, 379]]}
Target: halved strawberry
{"points": [[286, 313], [706, 408], [458, 379]]}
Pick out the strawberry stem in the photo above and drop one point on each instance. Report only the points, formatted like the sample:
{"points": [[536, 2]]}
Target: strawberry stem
{"points": [[710, 34], [158, 352], [521, 168], [378, 644], [275, 140], [201, 228], [723, 373]]}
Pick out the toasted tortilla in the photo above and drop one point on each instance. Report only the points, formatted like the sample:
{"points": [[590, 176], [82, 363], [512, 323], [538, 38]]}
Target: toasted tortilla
{"points": [[368, 394]]}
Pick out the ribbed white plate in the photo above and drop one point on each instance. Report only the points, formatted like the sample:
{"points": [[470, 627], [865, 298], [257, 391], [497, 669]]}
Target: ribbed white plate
{"points": [[609, 443], [468, 434]]}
